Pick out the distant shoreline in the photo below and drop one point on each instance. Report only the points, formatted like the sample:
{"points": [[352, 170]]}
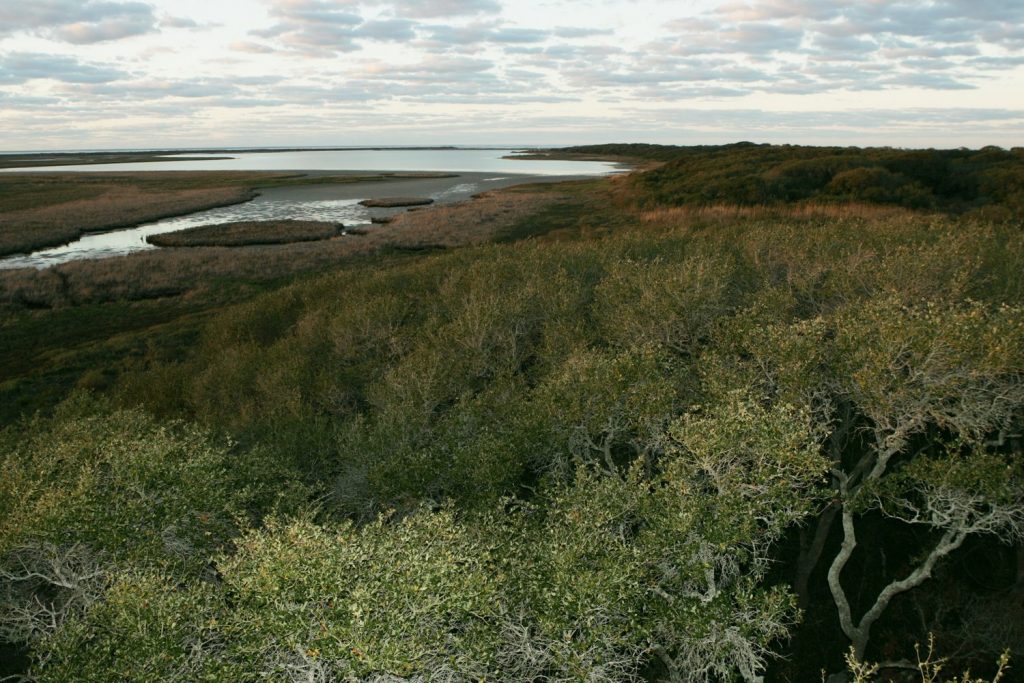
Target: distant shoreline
{"points": [[69, 158]]}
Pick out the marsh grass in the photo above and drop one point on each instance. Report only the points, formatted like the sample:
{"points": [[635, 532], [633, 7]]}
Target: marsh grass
{"points": [[248, 233], [394, 202], [113, 207], [72, 158]]}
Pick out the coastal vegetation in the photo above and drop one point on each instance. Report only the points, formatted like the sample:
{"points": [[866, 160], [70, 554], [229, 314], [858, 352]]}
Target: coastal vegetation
{"points": [[989, 181], [644, 427], [247, 233]]}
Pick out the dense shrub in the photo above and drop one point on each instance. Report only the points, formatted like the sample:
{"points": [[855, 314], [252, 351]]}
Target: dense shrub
{"points": [[745, 173], [95, 493], [598, 579]]}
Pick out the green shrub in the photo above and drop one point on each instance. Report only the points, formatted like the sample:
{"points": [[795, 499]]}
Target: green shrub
{"points": [[94, 492]]}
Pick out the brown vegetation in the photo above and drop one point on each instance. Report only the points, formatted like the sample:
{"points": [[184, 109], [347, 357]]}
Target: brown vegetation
{"points": [[111, 207], [80, 158], [247, 233], [393, 202], [682, 215], [481, 220]]}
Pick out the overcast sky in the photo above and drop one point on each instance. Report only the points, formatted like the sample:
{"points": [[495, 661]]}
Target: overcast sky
{"points": [[93, 74]]}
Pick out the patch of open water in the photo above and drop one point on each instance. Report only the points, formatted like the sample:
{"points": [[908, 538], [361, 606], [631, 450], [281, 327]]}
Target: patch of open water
{"points": [[444, 160]]}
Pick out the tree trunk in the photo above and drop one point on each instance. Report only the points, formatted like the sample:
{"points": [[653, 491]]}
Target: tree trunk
{"points": [[810, 554]]}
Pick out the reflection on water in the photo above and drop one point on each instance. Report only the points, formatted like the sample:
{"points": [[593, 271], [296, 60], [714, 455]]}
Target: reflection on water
{"points": [[446, 160], [99, 245]]}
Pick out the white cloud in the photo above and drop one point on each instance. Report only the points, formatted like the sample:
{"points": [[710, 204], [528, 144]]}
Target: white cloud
{"points": [[77, 21], [444, 8], [18, 68], [612, 64]]}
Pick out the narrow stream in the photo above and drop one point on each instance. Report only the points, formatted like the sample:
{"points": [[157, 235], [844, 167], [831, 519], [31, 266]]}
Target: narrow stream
{"points": [[116, 242]]}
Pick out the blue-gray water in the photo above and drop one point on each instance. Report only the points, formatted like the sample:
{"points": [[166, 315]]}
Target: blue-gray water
{"points": [[448, 160]]}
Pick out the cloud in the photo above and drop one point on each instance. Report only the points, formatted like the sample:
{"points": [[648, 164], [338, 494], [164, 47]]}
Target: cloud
{"points": [[314, 27], [517, 35], [444, 8], [178, 22], [843, 46], [251, 47], [323, 28], [517, 61], [20, 67], [928, 81], [870, 126], [873, 44], [445, 35], [574, 32], [997, 63], [77, 21], [432, 69], [387, 29], [12, 101], [157, 89]]}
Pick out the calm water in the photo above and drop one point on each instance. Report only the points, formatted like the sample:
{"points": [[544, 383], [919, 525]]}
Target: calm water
{"points": [[319, 203], [450, 160]]}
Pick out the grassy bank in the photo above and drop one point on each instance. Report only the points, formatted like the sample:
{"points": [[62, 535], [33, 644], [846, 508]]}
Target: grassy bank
{"points": [[88, 158]]}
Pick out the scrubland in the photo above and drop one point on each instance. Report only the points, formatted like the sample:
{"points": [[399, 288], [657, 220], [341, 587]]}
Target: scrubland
{"points": [[602, 435]]}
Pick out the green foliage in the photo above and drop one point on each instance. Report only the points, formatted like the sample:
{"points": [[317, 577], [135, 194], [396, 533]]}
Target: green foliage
{"points": [[116, 481], [763, 174], [674, 303], [94, 493], [148, 627], [597, 579], [955, 367]]}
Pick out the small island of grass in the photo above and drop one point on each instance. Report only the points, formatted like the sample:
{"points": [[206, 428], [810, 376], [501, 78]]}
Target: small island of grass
{"points": [[247, 233], [395, 202]]}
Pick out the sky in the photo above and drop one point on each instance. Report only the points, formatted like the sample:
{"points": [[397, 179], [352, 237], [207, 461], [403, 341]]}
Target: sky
{"points": [[122, 74]]}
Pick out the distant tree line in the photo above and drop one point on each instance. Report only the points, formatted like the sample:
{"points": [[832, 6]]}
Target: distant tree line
{"points": [[746, 173]]}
